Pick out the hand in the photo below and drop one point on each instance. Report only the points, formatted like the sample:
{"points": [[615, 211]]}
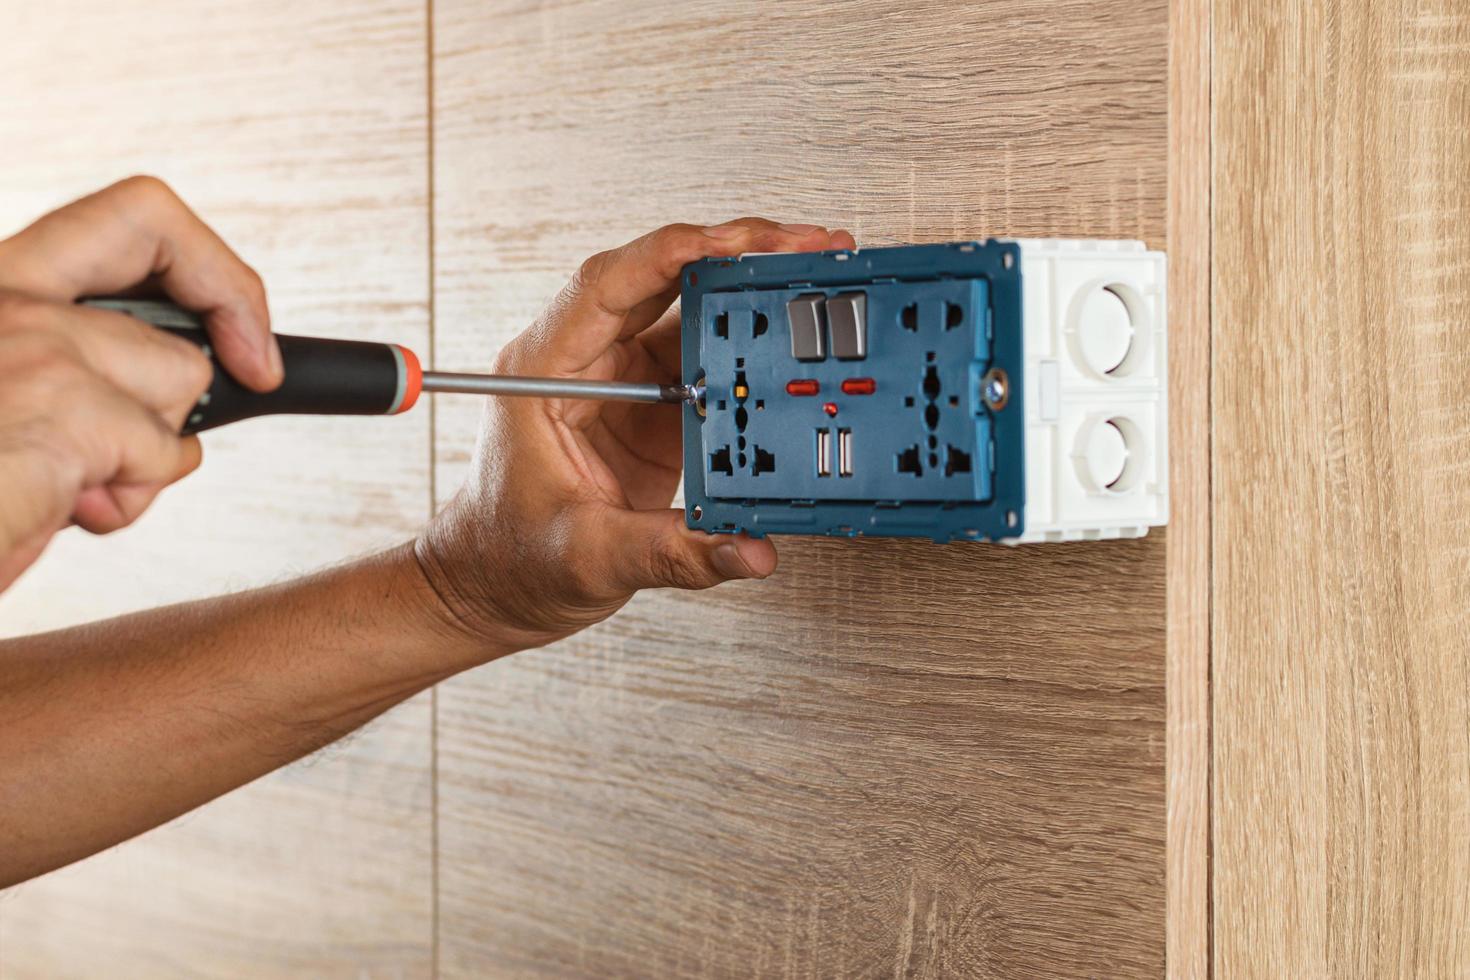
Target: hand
{"points": [[91, 400], [566, 513]]}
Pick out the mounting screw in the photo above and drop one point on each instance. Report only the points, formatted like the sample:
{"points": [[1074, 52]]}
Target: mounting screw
{"points": [[995, 389]]}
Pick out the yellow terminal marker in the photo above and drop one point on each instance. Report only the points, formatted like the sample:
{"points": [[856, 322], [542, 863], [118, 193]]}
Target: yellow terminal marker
{"points": [[741, 391]]}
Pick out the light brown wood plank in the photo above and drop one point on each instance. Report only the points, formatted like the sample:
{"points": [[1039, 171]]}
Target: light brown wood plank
{"points": [[892, 758], [1341, 294], [300, 132], [1188, 561]]}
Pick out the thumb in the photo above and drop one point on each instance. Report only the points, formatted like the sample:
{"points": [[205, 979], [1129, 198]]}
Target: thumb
{"points": [[651, 549]]}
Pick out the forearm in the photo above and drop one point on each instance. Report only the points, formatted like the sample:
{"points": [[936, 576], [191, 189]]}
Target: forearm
{"points": [[114, 727]]}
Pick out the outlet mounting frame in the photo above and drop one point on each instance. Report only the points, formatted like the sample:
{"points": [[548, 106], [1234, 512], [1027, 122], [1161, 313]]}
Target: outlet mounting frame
{"points": [[1000, 515]]}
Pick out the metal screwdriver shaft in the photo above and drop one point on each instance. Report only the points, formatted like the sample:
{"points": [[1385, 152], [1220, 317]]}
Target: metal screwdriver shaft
{"points": [[500, 384]]}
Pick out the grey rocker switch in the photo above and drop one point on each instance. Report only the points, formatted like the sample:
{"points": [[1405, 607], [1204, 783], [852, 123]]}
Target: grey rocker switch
{"points": [[847, 314], [808, 327]]}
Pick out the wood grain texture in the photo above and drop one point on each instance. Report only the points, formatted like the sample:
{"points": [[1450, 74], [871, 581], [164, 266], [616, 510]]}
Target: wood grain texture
{"points": [[300, 132], [1341, 297], [892, 758], [1188, 560]]}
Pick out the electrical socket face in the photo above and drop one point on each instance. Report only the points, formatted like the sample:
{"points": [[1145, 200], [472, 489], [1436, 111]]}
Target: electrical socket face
{"points": [[886, 392], [898, 424]]}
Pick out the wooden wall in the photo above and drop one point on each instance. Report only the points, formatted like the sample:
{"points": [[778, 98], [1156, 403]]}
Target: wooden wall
{"points": [[890, 758], [1341, 295], [298, 130]]}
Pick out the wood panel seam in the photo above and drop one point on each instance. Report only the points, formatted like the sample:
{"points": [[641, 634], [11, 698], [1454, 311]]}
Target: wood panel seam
{"points": [[1190, 734], [431, 354], [1209, 492]]}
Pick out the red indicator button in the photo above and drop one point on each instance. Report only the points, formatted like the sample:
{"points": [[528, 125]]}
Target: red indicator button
{"points": [[859, 386], [803, 386], [830, 408]]}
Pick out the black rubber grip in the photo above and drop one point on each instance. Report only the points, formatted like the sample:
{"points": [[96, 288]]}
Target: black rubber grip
{"points": [[323, 377]]}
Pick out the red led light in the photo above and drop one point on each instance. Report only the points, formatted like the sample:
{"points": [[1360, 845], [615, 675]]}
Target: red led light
{"points": [[859, 386], [803, 386], [830, 408]]}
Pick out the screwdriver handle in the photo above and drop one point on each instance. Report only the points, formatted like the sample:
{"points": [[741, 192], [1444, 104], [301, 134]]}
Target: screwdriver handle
{"points": [[323, 377]]}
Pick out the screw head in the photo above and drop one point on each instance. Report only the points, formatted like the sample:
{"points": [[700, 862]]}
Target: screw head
{"points": [[995, 389]]}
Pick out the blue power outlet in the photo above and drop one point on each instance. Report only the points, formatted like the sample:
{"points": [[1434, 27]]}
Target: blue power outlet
{"points": [[843, 392]]}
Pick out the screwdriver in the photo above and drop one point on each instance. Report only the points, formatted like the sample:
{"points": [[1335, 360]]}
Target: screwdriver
{"points": [[353, 377]]}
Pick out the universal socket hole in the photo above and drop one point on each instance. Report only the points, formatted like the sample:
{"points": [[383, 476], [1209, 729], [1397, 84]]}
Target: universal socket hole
{"points": [[742, 417], [740, 443], [908, 401], [954, 315], [908, 461], [722, 320], [909, 317], [1107, 330], [933, 442], [931, 416], [760, 404], [741, 460], [931, 383], [762, 324]]}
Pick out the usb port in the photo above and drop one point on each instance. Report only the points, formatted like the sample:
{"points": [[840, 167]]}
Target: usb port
{"points": [[824, 452], [844, 452]]}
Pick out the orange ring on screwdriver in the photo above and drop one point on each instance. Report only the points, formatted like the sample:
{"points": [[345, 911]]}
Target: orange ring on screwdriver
{"points": [[412, 381]]}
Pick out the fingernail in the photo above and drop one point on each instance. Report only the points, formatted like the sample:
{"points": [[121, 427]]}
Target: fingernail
{"points": [[725, 231], [800, 229], [727, 562]]}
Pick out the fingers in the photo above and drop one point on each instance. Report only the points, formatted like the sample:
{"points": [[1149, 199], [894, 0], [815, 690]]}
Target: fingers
{"points": [[159, 370], [77, 443], [105, 509], [653, 549], [618, 293], [139, 229], [122, 477], [121, 443], [664, 343]]}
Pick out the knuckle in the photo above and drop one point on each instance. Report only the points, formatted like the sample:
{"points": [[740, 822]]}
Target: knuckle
{"points": [[676, 233], [676, 567], [195, 371], [255, 283], [145, 188], [591, 270], [676, 239], [510, 358]]}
